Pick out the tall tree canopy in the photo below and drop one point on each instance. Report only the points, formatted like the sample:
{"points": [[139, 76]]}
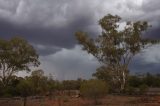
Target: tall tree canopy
{"points": [[116, 46], [39, 81], [16, 55]]}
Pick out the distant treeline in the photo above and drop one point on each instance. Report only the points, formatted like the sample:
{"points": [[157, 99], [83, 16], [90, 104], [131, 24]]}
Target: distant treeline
{"points": [[39, 84], [151, 80], [36, 84]]}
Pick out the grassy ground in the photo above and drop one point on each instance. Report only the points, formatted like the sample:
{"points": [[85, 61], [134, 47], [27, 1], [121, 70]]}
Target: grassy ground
{"points": [[107, 101]]}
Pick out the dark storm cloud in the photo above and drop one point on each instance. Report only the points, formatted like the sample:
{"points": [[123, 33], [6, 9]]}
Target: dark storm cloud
{"points": [[151, 11], [47, 36], [62, 37], [139, 66], [154, 33], [51, 24], [146, 61]]}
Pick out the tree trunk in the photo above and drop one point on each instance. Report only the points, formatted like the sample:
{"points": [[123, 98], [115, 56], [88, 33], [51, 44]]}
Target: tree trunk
{"points": [[123, 81], [4, 82], [122, 86], [25, 101]]}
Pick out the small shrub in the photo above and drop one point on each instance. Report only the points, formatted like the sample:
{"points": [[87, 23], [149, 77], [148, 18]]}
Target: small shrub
{"points": [[143, 89], [94, 89], [130, 90]]}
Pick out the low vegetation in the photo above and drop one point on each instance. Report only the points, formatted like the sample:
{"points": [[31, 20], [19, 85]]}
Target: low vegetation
{"points": [[94, 89]]}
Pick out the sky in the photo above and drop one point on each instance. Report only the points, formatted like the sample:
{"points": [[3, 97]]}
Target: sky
{"points": [[50, 25]]}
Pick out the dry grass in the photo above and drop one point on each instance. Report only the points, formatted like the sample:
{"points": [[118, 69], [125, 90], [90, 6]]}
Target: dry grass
{"points": [[107, 101]]}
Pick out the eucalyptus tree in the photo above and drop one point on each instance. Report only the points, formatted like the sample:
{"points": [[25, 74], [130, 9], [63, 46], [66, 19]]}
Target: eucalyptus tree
{"points": [[40, 82], [16, 55], [116, 46]]}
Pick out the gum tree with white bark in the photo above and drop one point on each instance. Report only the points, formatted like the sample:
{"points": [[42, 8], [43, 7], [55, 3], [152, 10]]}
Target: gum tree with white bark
{"points": [[115, 47]]}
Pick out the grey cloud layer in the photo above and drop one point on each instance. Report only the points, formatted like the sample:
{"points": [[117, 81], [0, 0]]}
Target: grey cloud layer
{"points": [[53, 22], [49, 22]]}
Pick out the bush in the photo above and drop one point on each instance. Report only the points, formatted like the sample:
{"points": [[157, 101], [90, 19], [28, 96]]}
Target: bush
{"points": [[130, 90], [94, 89], [143, 89]]}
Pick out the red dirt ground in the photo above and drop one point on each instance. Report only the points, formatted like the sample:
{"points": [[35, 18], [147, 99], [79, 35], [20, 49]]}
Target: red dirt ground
{"points": [[107, 101]]}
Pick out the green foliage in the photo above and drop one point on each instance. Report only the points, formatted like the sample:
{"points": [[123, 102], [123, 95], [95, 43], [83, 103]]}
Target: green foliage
{"points": [[115, 48], [24, 88], [134, 81], [16, 55], [38, 81], [106, 75], [71, 84], [103, 74], [130, 90], [150, 79], [143, 89], [36, 84], [145, 79], [94, 89]]}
